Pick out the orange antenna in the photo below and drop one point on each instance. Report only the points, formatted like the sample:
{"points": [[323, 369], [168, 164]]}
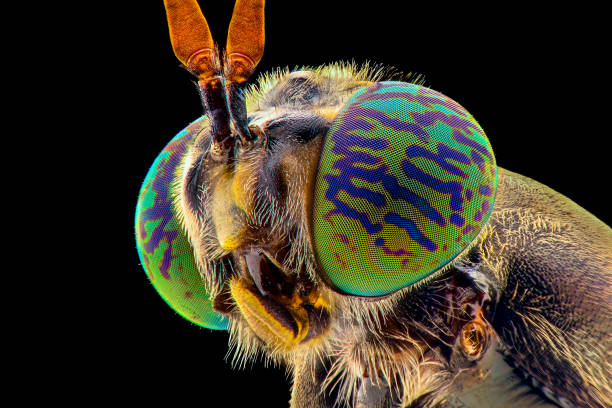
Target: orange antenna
{"points": [[191, 39], [193, 45], [245, 39], [245, 45], [222, 94]]}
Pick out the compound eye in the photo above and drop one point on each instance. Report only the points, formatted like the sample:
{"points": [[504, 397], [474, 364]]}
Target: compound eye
{"points": [[406, 181], [165, 252]]}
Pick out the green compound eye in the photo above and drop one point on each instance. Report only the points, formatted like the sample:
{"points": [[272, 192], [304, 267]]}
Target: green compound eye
{"points": [[165, 251], [406, 181]]}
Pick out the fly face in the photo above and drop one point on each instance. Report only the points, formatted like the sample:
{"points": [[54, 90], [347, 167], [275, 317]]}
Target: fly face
{"points": [[354, 229], [249, 217]]}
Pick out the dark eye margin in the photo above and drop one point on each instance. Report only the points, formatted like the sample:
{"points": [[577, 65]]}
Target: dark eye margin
{"points": [[301, 129], [192, 184]]}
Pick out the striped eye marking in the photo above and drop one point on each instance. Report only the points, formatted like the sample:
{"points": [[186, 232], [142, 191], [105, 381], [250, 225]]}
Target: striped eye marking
{"points": [[165, 252], [406, 181]]}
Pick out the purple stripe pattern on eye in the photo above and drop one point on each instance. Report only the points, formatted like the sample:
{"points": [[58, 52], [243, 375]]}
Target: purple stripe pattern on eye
{"points": [[165, 252], [404, 173]]}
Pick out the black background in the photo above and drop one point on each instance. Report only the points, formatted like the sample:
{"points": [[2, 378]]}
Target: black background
{"points": [[531, 77]]}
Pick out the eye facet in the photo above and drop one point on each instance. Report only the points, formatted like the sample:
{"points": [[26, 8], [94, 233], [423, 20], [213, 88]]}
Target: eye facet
{"points": [[165, 252], [406, 181]]}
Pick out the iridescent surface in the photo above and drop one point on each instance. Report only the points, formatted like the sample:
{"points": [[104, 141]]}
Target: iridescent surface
{"points": [[164, 250], [406, 181]]}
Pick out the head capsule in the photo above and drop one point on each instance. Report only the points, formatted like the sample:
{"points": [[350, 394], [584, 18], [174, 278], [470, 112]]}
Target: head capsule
{"points": [[165, 252], [406, 181]]}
